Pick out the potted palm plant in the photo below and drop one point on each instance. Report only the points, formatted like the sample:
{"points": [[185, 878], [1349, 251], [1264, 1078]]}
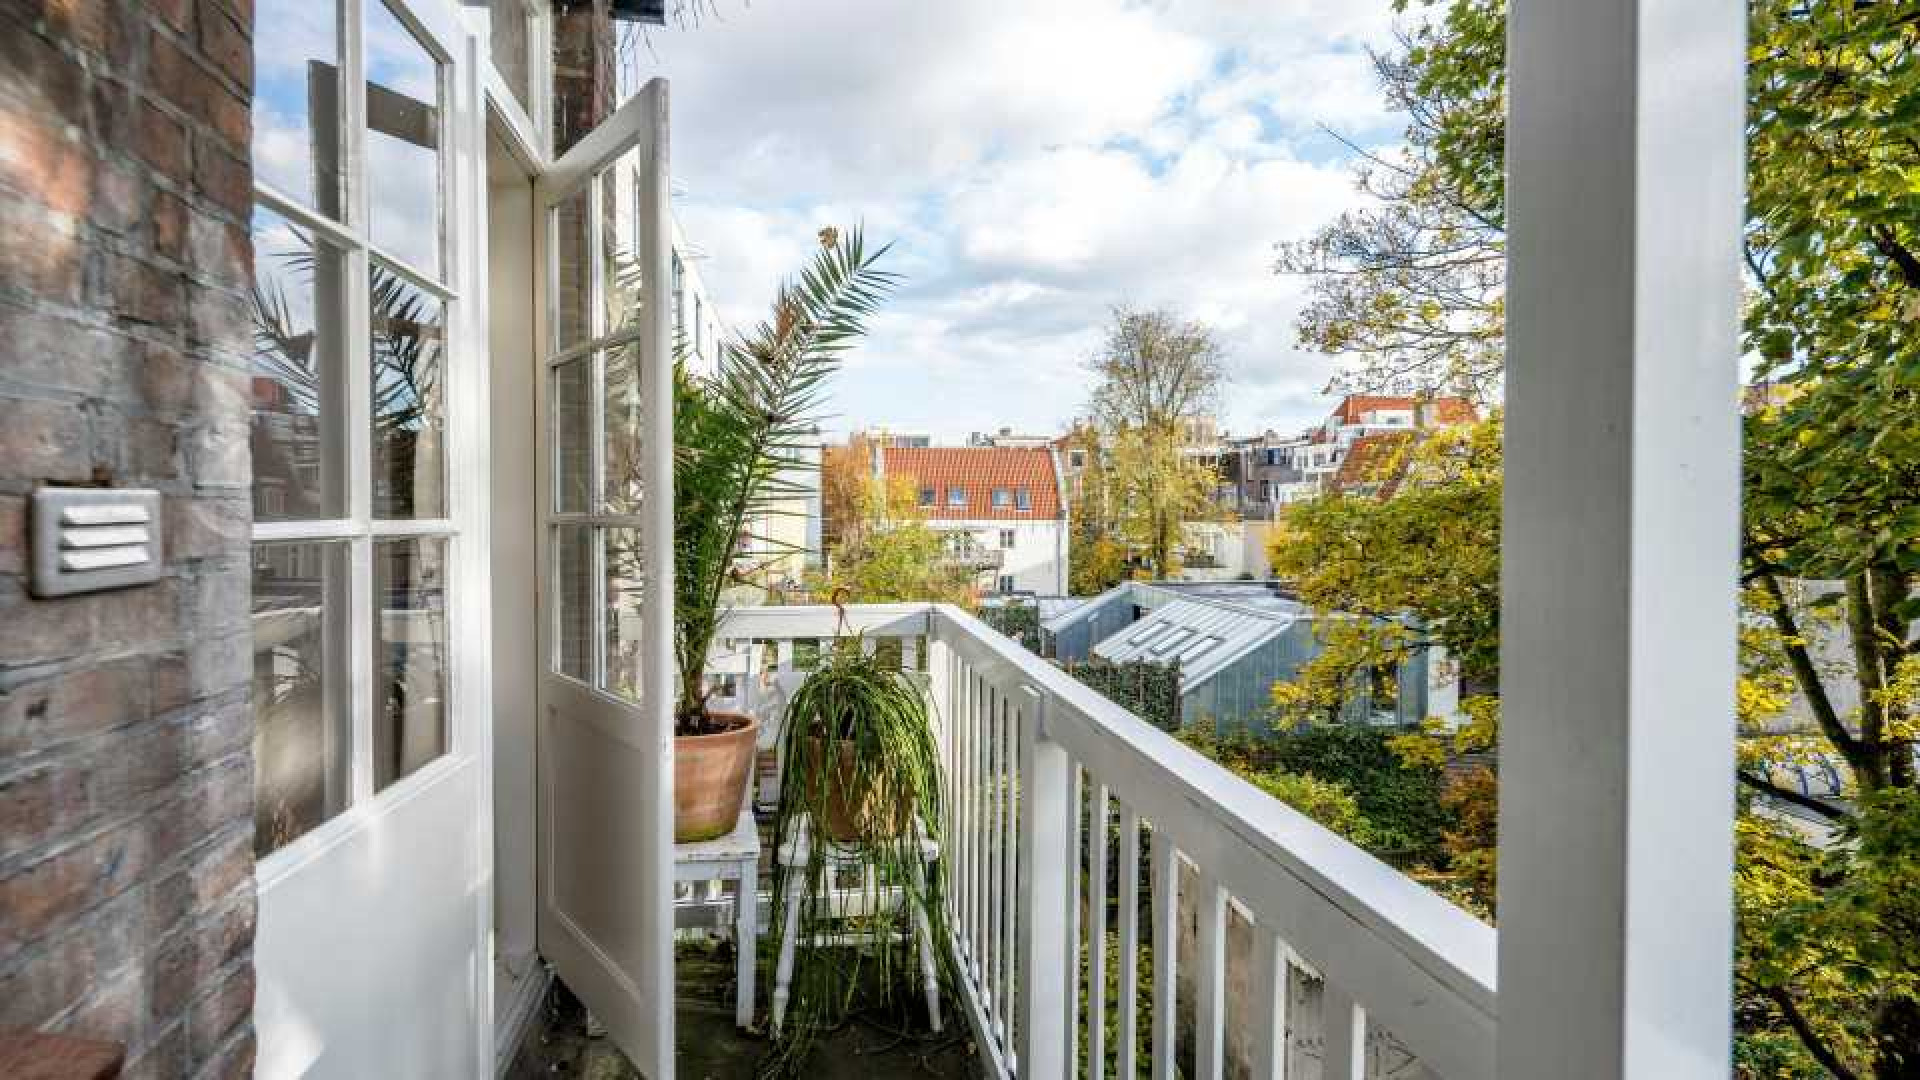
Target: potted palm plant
{"points": [[737, 435]]}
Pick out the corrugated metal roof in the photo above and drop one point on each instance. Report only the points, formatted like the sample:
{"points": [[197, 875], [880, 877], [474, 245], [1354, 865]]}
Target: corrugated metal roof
{"points": [[1206, 637]]}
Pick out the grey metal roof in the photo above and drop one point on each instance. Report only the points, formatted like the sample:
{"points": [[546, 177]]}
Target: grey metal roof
{"points": [[1206, 636]]}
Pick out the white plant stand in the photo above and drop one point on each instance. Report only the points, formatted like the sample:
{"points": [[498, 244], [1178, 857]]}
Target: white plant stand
{"points": [[793, 856], [733, 857]]}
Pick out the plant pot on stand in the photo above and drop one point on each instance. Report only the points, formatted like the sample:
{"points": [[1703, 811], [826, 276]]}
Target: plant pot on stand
{"points": [[710, 773]]}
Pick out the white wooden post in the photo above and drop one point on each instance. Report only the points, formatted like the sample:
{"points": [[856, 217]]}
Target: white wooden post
{"points": [[1624, 208], [1047, 952]]}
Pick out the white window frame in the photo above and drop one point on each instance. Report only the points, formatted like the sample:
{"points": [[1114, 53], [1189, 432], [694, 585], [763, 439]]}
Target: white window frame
{"points": [[434, 27]]}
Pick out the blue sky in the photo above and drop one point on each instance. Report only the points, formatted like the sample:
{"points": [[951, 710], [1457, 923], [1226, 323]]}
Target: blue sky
{"points": [[1035, 163]]}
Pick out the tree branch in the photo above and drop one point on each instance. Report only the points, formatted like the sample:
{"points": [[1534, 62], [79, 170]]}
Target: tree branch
{"points": [[1806, 674], [1805, 802], [1809, 1038]]}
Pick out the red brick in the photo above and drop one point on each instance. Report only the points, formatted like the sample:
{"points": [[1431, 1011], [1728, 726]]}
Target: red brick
{"points": [[40, 805], [169, 226], [177, 14], [39, 255], [13, 548], [119, 198], [73, 705], [216, 1016], [201, 527], [43, 440], [196, 954], [225, 44], [53, 891], [141, 291], [53, 166], [160, 140], [225, 179], [53, 84]]}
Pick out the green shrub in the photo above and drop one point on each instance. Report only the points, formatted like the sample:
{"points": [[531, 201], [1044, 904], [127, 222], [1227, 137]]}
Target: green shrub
{"points": [[1325, 801]]}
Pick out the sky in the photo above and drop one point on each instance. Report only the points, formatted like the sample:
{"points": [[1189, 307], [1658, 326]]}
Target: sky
{"points": [[1034, 165]]}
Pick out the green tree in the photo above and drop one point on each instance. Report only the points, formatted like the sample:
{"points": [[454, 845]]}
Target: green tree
{"points": [[1156, 376], [891, 555], [1832, 458]]}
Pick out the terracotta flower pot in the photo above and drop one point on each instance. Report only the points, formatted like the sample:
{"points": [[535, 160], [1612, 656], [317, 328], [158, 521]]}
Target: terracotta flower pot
{"points": [[856, 808], [710, 779]]}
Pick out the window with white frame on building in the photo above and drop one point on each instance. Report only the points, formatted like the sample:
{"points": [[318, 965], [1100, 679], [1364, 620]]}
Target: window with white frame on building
{"points": [[1006, 583], [956, 496], [1006, 539], [352, 530], [1002, 498], [1023, 499]]}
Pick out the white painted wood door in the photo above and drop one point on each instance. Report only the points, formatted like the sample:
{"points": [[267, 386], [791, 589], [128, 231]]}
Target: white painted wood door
{"points": [[605, 787]]}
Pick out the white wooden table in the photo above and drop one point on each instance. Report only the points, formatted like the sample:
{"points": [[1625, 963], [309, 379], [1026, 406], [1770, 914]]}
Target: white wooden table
{"points": [[733, 857]]}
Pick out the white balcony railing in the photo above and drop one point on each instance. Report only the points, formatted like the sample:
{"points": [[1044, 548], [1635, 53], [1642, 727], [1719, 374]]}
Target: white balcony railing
{"points": [[1032, 756]]}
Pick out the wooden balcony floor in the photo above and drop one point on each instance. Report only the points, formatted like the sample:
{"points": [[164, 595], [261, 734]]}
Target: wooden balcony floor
{"points": [[712, 1048]]}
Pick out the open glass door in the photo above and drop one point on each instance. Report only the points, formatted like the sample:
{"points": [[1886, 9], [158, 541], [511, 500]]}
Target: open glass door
{"points": [[605, 744]]}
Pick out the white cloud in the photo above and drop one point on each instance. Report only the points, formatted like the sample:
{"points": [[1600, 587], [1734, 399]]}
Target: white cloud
{"points": [[1036, 164]]}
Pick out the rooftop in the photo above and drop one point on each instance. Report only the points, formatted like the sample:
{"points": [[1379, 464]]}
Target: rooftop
{"points": [[989, 479]]}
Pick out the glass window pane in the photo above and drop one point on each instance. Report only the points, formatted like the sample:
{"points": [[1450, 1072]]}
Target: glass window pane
{"points": [[403, 141], [573, 435], [572, 285], [573, 601], [301, 731], [625, 428], [409, 656], [296, 100], [299, 374], [508, 39], [409, 398], [626, 577], [620, 242]]}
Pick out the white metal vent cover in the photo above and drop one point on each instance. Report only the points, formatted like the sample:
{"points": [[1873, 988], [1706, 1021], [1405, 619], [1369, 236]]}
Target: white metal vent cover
{"points": [[88, 539]]}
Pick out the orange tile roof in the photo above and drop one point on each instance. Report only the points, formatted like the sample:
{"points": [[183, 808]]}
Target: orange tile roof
{"points": [[979, 471], [1375, 464], [1445, 410]]}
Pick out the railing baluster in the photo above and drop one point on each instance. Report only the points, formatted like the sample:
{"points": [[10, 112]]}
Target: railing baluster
{"points": [[1166, 913], [1008, 899], [1047, 953], [963, 835], [1210, 970], [1097, 937], [990, 881], [1074, 854], [1268, 1015], [1343, 1039], [1126, 1056]]}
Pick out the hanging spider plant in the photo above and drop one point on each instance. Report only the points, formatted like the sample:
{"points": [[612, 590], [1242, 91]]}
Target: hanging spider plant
{"points": [[862, 772]]}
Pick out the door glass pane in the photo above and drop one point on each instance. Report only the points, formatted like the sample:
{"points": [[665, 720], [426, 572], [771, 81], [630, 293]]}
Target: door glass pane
{"points": [[620, 241], [573, 435], [403, 141], [410, 656], [296, 100], [508, 39], [570, 250], [626, 575], [625, 429], [409, 399], [299, 375], [573, 601], [301, 732]]}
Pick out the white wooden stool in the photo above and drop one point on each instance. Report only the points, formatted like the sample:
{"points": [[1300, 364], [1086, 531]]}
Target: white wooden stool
{"points": [[733, 857], [793, 857]]}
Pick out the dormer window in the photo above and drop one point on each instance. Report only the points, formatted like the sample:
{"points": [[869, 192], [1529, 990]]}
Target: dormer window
{"points": [[957, 496], [926, 496], [1002, 498], [1023, 499]]}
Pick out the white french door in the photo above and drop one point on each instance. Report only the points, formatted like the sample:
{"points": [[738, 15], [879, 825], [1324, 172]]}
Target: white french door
{"points": [[605, 750]]}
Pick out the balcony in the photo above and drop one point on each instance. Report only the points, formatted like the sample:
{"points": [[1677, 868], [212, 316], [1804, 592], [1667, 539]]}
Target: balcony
{"points": [[1291, 944]]}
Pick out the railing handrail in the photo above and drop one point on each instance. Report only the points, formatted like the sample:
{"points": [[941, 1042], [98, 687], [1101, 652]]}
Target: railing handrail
{"points": [[1353, 916]]}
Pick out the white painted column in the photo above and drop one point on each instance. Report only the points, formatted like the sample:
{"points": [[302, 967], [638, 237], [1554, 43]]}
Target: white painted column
{"points": [[1625, 182]]}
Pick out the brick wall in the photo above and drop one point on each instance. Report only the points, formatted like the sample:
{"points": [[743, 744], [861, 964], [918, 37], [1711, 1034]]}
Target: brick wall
{"points": [[126, 885]]}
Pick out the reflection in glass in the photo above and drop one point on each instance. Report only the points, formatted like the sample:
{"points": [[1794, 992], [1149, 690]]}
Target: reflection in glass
{"points": [[409, 399], [625, 430], [620, 242], [300, 728], [573, 601], [508, 41], [572, 249], [403, 141], [573, 435], [626, 577], [409, 656], [296, 102], [298, 438]]}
